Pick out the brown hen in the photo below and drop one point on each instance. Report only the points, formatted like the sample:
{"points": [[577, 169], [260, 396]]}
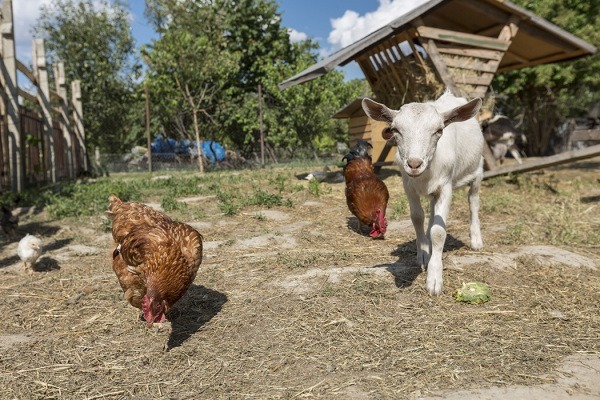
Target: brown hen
{"points": [[155, 258], [366, 195]]}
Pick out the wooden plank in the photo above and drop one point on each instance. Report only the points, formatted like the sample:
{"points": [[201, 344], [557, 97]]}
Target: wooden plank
{"points": [[478, 53], [15, 165], [438, 62], [481, 80], [486, 9], [77, 116], [358, 129], [367, 68], [585, 134], [40, 68], [462, 38], [488, 158], [479, 91], [21, 67], [380, 70], [359, 132], [509, 31], [27, 95], [471, 64], [392, 62], [545, 162], [358, 121]]}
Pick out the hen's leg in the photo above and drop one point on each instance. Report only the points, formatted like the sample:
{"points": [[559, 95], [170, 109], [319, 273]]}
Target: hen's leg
{"points": [[27, 268]]}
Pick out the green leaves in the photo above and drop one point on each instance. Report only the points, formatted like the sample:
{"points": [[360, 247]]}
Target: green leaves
{"points": [[93, 39]]}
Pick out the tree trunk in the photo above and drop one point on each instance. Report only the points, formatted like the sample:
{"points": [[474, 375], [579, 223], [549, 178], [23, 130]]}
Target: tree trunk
{"points": [[198, 144]]}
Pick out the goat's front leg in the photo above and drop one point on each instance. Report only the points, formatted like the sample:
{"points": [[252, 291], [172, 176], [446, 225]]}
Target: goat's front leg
{"points": [[417, 216], [440, 204], [475, 228]]}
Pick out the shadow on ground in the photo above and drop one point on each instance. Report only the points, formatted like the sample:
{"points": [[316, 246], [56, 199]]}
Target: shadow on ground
{"points": [[198, 306], [406, 270]]}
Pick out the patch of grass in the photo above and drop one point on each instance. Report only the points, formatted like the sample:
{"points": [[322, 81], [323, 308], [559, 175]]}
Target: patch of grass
{"points": [[169, 203], [260, 216], [400, 208], [288, 203], [314, 187], [263, 198], [74, 200], [278, 182], [515, 234], [228, 207]]}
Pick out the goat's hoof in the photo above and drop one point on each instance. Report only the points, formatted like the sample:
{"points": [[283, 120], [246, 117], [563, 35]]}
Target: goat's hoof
{"points": [[476, 244], [434, 285]]}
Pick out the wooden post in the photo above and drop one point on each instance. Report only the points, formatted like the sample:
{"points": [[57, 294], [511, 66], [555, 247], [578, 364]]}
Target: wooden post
{"points": [[148, 128], [65, 127], [260, 121], [78, 119], [43, 94], [10, 105]]}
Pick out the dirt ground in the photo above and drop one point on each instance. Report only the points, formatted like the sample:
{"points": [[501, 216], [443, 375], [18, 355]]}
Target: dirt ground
{"points": [[291, 302]]}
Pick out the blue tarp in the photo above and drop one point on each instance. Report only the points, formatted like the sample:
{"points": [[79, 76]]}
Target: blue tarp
{"points": [[165, 146]]}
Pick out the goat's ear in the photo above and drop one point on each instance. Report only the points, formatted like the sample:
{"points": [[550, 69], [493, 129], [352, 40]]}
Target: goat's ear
{"points": [[387, 133], [462, 113], [378, 111]]}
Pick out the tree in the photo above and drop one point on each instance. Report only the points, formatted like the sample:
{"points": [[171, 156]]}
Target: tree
{"points": [[190, 62], [299, 117], [543, 96], [245, 46], [93, 39]]}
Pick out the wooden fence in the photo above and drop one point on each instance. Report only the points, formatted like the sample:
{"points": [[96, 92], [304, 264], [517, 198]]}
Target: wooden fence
{"points": [[42, 135]]}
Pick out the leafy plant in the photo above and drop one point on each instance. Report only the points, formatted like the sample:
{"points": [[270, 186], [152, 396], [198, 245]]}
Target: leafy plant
{"points": [[314, 187], [170, 203], [399, 208]]}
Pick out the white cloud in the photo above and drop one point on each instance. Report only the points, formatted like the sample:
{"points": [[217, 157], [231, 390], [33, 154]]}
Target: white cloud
{"points": [[25, 14], [351, 26], [296, 36]]}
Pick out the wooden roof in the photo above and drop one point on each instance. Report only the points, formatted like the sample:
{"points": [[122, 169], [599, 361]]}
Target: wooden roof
{"points": [[536, 42]]}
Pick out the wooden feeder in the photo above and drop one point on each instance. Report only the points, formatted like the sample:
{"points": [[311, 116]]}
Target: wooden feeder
{"points": [[453, 44]]}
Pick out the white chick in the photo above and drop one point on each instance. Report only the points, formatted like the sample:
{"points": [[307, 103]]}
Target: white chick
{"points": [[29, 250]]}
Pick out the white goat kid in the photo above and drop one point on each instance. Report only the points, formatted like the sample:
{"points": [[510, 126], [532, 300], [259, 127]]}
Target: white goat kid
{"points": [[440, 147]]}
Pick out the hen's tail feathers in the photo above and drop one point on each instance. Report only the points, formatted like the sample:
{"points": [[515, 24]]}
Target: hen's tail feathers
{"points": [[360, 150]]}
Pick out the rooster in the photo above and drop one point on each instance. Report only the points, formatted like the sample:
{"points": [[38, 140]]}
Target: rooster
{"points": [[366, 195], [155, 258]]}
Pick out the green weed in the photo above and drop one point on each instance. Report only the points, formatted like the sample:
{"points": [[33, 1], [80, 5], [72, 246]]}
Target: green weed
{"points": [[262, 198], [170, 203], [314, 187], [399, 208]]}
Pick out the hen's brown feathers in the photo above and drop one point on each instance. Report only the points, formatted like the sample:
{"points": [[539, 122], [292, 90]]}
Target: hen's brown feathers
{"points": [[133, 285], [152, 249], [366, 194]]}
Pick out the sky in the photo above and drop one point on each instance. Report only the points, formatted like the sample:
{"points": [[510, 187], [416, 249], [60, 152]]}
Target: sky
{"points": [[334, 24]]}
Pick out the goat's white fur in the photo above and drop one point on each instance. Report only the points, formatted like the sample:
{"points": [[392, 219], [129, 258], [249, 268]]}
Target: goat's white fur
{"points": [[440, 147]]}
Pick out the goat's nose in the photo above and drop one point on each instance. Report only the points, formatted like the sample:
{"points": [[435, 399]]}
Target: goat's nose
{"points": [[414, 163]]}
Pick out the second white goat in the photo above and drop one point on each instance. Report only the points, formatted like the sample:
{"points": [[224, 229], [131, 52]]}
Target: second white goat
{"points": [[440, 147]]}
